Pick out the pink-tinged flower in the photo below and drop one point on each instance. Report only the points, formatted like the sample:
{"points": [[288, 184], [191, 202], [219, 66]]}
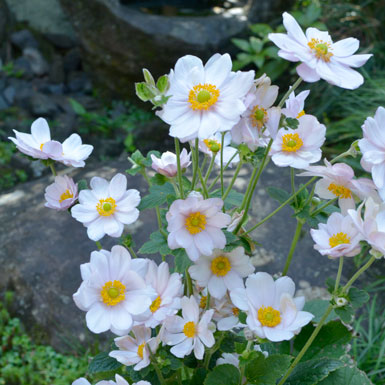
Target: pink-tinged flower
{"points": [[113, 290], [372, 147], [189, 332], [107, 207], [372, 225], [338, 237], [195, 224], [226, 314], [204, 99], [135, 350], [167, 163], [272, 312], [295, 105], [337, 182], [320, 57], [221, 271], [169, 290], [38, 143], [74, 152], [260, 121], [61, 194], [298, 148]]}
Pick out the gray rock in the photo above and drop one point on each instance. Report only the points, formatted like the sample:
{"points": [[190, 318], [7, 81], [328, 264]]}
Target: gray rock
{"points": [[42, 105], [9, 94], [78, 81], [72, 60], [23, 64], [56, 70], [3, 103], [36, 60], [60, 40], [24, 39]]}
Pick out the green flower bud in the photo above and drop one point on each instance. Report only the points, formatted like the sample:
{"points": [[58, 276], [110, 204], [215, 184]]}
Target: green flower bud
{"points": [[148, 77], [162, 84]]}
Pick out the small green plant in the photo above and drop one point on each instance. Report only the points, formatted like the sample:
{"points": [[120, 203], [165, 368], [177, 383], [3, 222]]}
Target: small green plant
{"points": [[10, 71]]}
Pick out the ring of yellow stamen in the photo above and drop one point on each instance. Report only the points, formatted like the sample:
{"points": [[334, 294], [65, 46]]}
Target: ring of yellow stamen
{"points": [[203, 302], [189, 329], [268, 316], [212, 144], [339, 239], [106, 207], [66, 195], [340, 191], [235, 311], [258, 116], [140, 350], [291, 142], [195, 223], [220, 266], [113, 292], [203, 96], [320, 49], [155, 304]]}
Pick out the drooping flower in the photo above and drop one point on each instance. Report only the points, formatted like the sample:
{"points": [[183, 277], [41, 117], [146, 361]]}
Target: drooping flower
{"points": [[337, 182], [221, 271], [233, 358], [119, 380], [372, 147], [338, 237], [169, 290], [38, 143], [61, 194], [189, 332], [135, 350], [74, 151], [295, 105], [107, 207], [226, 314], [113, 291], [260, 121], [272, 312], [204, 99], [320, 57], [167, 163], [298, 148], [195, 224]]}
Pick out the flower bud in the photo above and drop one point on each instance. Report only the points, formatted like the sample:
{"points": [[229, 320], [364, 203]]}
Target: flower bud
{"points": [[148, 77], [162, 84], [249, 335], [341, 301], [376, 254]]}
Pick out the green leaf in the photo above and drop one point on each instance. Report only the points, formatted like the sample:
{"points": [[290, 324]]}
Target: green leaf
{"points": [[234, 198], [242, 317], [357, 297], [278, 194], [158, 179], [223, 374], [143, 91], [103, 363], [157, 196], [198, 376], [261, 29], [292, 123], [256, 44], [156, 244], [77, 107], [313, 371], [346, 313], [244, 45], [231, 341], [266, 371], [349, 375], [162, 83], [181, 261], [82, 185], [318, 308]]}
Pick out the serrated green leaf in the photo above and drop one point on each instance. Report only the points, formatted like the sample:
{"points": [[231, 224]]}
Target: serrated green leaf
{"points": [[198, 376], [349, 375], [357, 297], [346, 313], [278, 194], [261, 29], [223, 374], [157, 196], [162, 83], [181, 261], [244, 45], [156, 244], [77, 107], [318, 307], [292, 123], [256, 44], [103, 363], [158, 179]]}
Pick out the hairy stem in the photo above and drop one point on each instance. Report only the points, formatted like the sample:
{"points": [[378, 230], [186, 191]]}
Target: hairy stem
{"points": [[195, 159], [238, 169], [289, 91], [294, 242], [177, 152]]}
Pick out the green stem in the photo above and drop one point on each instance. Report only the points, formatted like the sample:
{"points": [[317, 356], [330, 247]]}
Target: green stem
{"points": [[227, 165], [204, 187], [281, 206], [248, 189], [238, 169], [328, 203], [208, 299], [339, 273], [188, 283], [177, 152], [222, 145], [294, 242], [156, 367], [290, 90], [132, 252], [195, 158], [358, 273], [292, 176], [53, 170], [211, 165], [99, 245], [212, 350]]}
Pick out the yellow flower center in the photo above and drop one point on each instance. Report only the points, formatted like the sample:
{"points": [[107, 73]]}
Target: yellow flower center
{"points": [[268, 316], [66, 195], [291, 142], [203, 96], [212, 145], [302, 113], [258, 116], [203, 302], [155, 304], [235, 311], [106, 207], [220, 266], [320, 49], [113, 292], [339, 239], [195, 223], [140, 350], [340, 191], [189, 329]]}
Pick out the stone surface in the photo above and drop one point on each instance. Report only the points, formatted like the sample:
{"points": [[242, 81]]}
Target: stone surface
{"points": [[23, 39]]}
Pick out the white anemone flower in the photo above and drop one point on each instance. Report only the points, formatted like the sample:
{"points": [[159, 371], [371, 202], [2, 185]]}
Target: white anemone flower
{"points": [[74, 152], [221, 271], [337, 182], [195, 224], [61, 194], [169, 290], [372, 147], [189, 332], [298, 148], [233, 358], [167, 163], [260, 121], [212, 147], [226, 314], [295, 105], [338, 237], [113, 291], [107, 207], [119, 380], [135, 350], [372, 225], [206, 98], [38, 143], [320, 57], [272, 312]]}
